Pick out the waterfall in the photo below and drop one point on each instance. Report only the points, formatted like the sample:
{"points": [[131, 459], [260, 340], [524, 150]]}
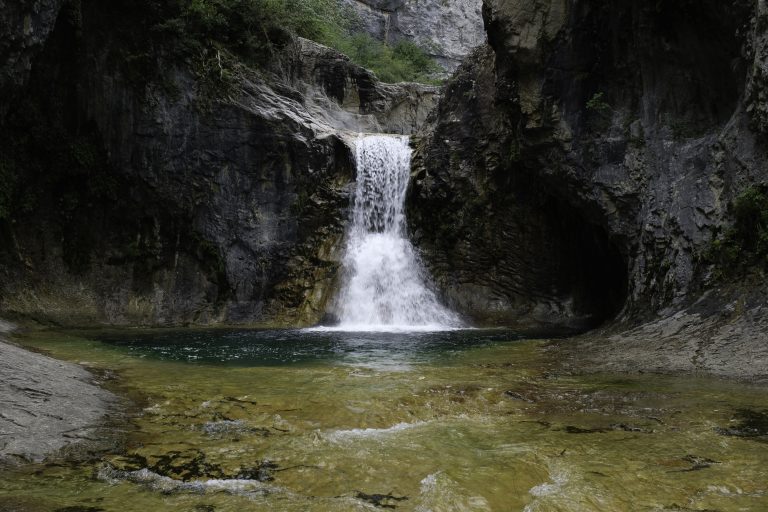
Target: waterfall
{"points": [[385, 286]]}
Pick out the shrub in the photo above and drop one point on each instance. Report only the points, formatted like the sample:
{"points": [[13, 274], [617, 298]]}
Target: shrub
{"points": [[598, 104], [250, 29], [404, 61], [751, 214], [745, 243]]}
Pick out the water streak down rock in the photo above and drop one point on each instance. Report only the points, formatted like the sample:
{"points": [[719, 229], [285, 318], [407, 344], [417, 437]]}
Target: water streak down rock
{"points": [[386, 286]]}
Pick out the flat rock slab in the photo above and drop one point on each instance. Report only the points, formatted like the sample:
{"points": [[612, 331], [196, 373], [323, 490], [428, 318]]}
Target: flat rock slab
{"points": [[46, 406], [714, 336]]}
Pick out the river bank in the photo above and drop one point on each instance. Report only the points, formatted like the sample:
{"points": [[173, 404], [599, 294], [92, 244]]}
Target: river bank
{"points": [[715, 336], [48, 408]]}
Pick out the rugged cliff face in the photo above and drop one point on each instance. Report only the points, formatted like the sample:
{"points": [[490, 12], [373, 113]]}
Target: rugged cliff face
{"points": [[24, 28], [205, 192], [448, 31], [591, 164]]}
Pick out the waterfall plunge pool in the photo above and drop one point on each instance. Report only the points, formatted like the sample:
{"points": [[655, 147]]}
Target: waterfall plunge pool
{"points": [[232, 420]]}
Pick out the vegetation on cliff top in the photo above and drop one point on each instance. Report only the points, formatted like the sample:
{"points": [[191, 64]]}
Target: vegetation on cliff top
{"points": [[251, 29], [744, 245]]}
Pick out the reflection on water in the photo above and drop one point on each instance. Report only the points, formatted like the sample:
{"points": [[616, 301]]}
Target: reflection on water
{"points": [[234, 420], [389, 350]]}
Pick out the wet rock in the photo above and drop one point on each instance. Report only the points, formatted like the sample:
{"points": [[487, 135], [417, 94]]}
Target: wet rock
{"points": [[233, 427], [49, 408], [629, 428], [698, 463], [679, 508], [623, 427], [540, 129], [381, 500], [570, 429], [185, 466], [264, 472], [519, 396], [750, 424], [329, 320], [79, 509]]}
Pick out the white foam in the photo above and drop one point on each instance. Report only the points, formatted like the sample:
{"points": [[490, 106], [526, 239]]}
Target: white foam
{"points": [[385, 287], [157, 482], [439, 493], [545, 492], [387, 328], [365, 433]]}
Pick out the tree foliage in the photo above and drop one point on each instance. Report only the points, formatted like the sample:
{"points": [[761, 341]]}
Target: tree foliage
{"points": [[253, 29]]}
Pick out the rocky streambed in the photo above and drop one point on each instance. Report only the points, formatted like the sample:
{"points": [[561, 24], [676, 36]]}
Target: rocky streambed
{"points": [[461, 420]]}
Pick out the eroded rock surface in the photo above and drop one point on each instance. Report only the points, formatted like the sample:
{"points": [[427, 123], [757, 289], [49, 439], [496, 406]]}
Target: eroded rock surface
{"points": [[448, 30], [581, 165], [46, 406], [217, 198], [24, 29]]}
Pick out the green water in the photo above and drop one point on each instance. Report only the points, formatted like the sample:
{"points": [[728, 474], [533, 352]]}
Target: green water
{"points": [[464, 421]]}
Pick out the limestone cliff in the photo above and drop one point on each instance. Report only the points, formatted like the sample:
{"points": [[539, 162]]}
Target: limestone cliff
{"points": [[156, 190], [24, 29], [582, 167], [447, 30]]}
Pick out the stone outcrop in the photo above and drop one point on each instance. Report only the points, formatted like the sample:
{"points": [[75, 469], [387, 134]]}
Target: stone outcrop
{"points": [[448, 30], [589, 156], [223, 199], [47, 407]]}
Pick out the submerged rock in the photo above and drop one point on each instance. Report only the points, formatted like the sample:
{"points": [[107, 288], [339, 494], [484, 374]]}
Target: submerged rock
{"points": [[78, 508], [750, 424], [381, 500], [263, 472]]}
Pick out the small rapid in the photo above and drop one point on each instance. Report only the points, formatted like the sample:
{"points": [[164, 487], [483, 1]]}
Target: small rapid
{"points": [[385, 287]]}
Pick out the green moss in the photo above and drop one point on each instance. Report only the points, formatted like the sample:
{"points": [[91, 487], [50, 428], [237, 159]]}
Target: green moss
{"points": [[210, 255], [515, 152], [744, 244], [597, 103]]}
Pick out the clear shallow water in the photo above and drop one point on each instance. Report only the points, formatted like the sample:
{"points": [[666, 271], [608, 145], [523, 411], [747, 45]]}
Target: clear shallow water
{"points": [[382, 349], [461, 421]]}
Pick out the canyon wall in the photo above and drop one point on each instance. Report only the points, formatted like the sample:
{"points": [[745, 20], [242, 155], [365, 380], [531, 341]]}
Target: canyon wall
{"points": [[151, 189], [447, 30], [602, 163]]}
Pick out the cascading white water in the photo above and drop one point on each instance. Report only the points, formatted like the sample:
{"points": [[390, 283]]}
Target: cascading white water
{"points": [[385, 286]]}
